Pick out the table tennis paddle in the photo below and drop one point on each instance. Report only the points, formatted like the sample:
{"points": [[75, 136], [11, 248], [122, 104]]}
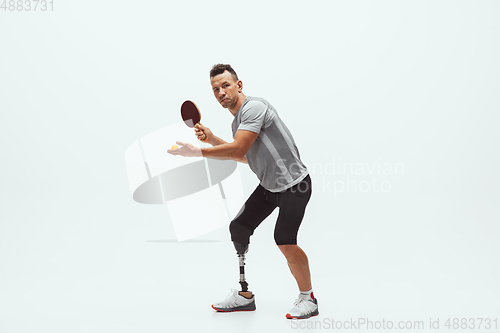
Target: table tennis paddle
{"points": [[191, 115]]}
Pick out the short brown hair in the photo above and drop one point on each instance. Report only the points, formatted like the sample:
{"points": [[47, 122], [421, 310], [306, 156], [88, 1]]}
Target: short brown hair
{"points": [[221, 68]]}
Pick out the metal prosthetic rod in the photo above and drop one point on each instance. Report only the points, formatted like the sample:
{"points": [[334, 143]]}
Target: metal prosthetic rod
{"points": [[241, 249], [243, 282]]}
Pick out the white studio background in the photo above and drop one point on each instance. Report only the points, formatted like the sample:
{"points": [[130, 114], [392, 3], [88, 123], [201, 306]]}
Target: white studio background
{"points": [[403, 92]]}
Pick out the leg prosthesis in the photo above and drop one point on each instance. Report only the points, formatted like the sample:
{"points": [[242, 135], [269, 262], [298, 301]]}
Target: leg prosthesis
{"points": [[241, 249], [240, 235]]}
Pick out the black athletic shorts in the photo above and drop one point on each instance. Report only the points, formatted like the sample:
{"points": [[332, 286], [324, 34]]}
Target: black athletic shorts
{"points": [[261, 203]]}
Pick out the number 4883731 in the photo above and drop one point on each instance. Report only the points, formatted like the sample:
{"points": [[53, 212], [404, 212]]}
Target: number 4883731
{"points": [[27, 5]]}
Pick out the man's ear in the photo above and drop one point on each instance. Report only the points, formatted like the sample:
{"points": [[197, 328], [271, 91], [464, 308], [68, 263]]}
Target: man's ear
{"points": [[240, 86]]}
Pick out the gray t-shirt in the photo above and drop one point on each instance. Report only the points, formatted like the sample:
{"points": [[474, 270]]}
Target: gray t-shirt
{"points": [[273, 157]]}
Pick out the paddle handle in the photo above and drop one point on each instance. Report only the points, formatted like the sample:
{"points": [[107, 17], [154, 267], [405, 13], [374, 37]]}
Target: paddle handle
{"points": [[204, 135]]}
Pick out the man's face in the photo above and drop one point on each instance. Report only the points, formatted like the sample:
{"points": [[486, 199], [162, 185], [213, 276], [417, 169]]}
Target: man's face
{"points": [[226, 89]]}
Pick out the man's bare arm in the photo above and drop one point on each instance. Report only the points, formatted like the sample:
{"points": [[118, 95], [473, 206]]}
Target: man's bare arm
{"points": [[201, 130], [216, 141], [235, 150]]}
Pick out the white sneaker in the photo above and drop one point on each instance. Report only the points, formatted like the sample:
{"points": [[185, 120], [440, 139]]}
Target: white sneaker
{"points": [[303, 308], [235, 302]]}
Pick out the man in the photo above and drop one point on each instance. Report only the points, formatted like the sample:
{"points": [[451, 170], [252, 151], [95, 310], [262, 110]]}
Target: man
{"points": [[262, 140]]}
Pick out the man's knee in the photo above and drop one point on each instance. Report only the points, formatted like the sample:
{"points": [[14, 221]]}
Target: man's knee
{"points": [[282, 238], [288, 249]]}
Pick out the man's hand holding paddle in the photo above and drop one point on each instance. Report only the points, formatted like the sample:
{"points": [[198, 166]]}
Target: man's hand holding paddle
{"points": [[203, 133]]}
